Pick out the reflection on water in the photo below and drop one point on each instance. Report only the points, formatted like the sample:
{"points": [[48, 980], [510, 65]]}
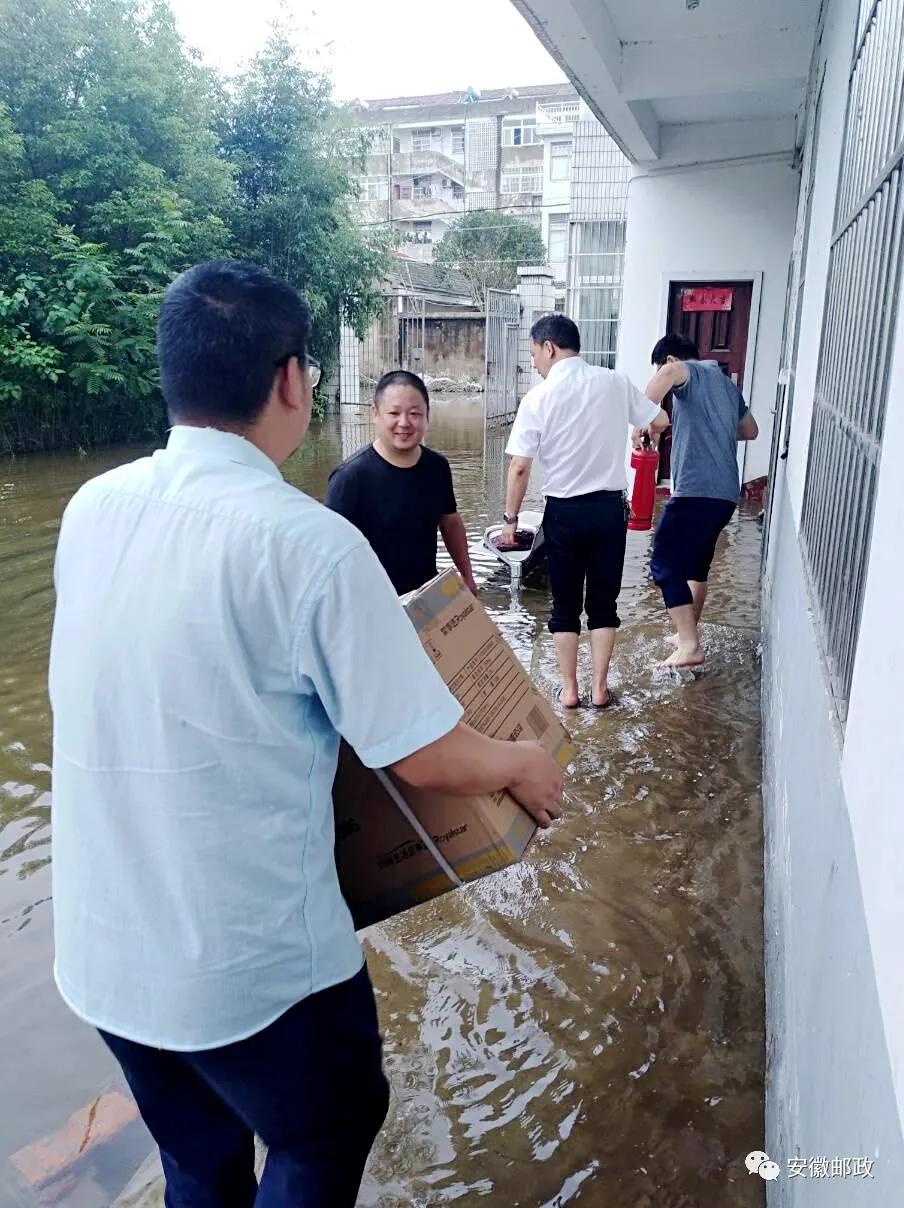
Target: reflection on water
{"points": [[585, 1027]]}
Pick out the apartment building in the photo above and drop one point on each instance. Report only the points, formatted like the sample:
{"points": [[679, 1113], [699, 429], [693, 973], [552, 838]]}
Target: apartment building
{"points": [[537, 152], [431, 158]]}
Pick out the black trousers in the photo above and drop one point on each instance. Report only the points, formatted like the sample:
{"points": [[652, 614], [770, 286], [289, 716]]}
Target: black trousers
{"points": [[310, 1085], [585, 545]]}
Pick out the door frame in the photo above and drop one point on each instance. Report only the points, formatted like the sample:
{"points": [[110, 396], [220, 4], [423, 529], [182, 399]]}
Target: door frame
{"points": [[755, 277]]}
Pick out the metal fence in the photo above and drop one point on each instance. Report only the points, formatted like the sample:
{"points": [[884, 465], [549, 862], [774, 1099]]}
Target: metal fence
{"points": [[395, 339], [501, 367], [855, 353]]}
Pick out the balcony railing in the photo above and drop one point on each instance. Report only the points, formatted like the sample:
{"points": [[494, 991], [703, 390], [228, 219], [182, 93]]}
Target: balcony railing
{"points": [[567, 111]]}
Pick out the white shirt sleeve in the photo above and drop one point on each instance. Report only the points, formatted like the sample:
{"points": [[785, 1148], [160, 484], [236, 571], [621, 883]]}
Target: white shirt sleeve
{"points": [[524, 439], [360, 654], [641, 410]]}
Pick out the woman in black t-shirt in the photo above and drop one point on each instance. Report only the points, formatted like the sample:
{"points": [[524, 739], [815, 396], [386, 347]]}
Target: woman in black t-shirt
{"points": [[398, 492]]}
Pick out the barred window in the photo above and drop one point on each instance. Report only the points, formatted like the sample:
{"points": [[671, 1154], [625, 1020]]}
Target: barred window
{"points": [[426, 140], [856, 346], [595, 272], [525, 179]]}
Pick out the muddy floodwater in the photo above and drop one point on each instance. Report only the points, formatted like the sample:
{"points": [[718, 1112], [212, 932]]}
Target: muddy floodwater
{"points": [[584, 1028]]}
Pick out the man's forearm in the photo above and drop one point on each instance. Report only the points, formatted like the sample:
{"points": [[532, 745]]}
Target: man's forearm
{"points": [[666, 378], [455, 539], [516, 485], [463, 763]]}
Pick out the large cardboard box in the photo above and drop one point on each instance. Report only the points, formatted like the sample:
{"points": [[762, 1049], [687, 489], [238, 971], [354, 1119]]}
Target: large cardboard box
{"points": [[396, 845]]}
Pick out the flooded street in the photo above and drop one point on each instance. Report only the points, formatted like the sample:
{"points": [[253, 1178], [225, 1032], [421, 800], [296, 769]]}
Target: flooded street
{"points": [[584, 1028]]}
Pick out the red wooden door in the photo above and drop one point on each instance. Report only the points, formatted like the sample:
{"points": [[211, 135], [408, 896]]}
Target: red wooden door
{"points": [[720, 335]]}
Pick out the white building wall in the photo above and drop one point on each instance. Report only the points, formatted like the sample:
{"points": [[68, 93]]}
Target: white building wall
{"points": [[834, 822], [724, 222]]}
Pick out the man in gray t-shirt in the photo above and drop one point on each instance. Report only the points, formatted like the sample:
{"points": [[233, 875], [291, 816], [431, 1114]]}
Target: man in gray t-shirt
{"points": [[709, 417]]}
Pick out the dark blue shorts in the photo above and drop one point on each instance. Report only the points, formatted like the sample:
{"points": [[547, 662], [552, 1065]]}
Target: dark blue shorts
{"points": [[685, 543]]}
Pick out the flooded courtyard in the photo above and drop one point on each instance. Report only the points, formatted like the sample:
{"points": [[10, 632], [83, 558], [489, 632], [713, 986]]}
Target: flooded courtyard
{"points": [[583, 1028]]}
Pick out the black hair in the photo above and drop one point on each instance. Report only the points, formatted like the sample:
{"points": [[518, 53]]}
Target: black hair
{"points": [[224, 329], [674, 346], [401, 377], [559, 330]]}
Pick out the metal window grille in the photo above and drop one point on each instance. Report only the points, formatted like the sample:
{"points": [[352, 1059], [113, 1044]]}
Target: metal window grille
{"points": [[425, 140], [599, 174], [599, 191], [595, 265], [480, 145], [794, 297], [522, 180], [856, 346]]}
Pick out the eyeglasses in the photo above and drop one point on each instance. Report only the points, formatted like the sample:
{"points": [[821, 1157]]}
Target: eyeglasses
{"points": [[311, 363]]}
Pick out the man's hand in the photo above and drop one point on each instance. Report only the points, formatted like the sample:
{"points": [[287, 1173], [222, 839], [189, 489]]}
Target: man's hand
{"points": [[466, 764], [639, 435], [507, 536], [538, 785]]}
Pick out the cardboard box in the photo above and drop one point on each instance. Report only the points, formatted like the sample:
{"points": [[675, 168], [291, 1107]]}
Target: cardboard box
{"points": [[385, 829]]}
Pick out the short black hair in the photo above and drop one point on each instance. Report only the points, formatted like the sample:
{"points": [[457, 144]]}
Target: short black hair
{"points": [[674, 346], [401, 377], [559, 330], [224, 329]]}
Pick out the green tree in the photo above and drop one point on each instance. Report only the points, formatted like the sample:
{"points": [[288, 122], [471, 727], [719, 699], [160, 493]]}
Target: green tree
{"points": [[122, 161], [284, 137], [487, 247], [112, 112]]}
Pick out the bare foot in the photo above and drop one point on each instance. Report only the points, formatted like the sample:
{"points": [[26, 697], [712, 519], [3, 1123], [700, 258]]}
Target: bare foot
{"points": [[601, 700], [568, 696], [685, 656]]}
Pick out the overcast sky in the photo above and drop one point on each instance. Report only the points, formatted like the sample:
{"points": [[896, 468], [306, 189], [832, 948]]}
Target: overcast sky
{"points": [[379, 48]]}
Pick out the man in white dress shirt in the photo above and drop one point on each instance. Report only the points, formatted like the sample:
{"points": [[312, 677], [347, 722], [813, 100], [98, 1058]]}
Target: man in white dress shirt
{"points": [[577, 422], [216, 632]]}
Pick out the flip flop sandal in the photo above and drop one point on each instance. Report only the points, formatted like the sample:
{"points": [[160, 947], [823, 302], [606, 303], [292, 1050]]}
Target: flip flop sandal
{"points": [[557, 695], [611, 699]]}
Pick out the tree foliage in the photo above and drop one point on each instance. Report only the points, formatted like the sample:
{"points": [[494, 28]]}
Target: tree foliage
{"points": [[487, 248], [122, 161]]}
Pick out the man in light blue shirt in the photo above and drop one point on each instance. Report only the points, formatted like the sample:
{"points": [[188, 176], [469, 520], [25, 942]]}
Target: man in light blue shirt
{"points": [[216, 632]]}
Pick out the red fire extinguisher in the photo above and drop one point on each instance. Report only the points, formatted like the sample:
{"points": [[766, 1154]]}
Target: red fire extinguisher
{"points": [[644, 462]]}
